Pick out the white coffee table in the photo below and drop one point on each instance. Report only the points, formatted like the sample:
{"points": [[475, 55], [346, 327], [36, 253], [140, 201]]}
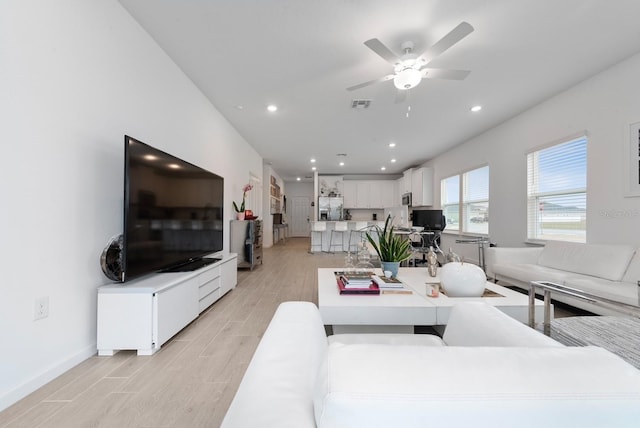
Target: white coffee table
{"points": [[386, 313]]}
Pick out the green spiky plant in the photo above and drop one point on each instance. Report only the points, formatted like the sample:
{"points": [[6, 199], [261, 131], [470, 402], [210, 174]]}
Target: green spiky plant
{"points": [[391, 247]]}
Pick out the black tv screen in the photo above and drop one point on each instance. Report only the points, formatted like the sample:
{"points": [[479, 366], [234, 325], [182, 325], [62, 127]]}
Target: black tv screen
{"points": [[432, 220], [172, 211]]}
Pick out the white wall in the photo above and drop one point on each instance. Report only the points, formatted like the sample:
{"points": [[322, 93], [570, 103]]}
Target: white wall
{"points": [[299, 188], [604, 106], [75, 77]]}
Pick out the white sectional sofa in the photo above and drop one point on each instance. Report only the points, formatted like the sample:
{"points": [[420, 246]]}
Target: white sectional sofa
{"points": [[488, 371], [610, 271]]}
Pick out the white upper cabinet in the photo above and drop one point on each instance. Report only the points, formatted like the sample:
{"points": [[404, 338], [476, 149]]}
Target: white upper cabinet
{"points": [[370, 194], [422, 187], [406, 181], [388, 194], [350, 194], [362, 194]]}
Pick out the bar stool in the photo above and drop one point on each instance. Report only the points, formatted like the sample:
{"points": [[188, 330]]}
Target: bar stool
{"points": [[360, 230], [317, 227], [340, 227], [375, 229]]}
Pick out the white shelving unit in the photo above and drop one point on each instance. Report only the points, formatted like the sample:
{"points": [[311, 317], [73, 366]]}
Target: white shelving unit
{"points": [[143, 314]]}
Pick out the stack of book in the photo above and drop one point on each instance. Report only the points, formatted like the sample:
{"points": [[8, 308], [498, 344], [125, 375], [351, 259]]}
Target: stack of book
{"points": [[384, 282], [390, 285], [350, 282]]}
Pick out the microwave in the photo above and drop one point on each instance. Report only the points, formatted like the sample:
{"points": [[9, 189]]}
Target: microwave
{"points": [[406, 199]]}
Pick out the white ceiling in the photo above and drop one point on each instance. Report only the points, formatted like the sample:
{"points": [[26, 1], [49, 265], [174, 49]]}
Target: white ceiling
{"points": [[302, 54]]}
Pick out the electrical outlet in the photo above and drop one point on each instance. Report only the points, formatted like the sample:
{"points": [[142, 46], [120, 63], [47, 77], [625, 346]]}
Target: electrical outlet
{"points": [[41, 308]]}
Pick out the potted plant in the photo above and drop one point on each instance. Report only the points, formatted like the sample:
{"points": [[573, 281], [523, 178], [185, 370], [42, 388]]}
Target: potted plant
{"points": [[392, 248], [240, 211]]}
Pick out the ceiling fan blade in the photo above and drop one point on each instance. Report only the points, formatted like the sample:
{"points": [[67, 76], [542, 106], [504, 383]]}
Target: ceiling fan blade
{"points": [[371, 82], [401, 96], [454, 36], [441, 73], [377, 46]]}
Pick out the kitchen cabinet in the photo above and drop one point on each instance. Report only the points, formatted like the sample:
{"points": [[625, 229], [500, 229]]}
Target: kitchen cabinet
{"points": [[370, 194], [350, 192], [422, 187], [363, 199], [406, 181], [387, 191]]}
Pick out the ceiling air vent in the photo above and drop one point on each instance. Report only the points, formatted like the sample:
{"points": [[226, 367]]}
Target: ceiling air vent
{"points": [[360, 104]]}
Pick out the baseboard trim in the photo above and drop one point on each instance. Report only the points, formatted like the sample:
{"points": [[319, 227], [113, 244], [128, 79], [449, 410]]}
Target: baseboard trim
{"points": [[45, 377]]}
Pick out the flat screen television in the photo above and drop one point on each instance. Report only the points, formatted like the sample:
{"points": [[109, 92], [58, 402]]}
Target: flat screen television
{"points": [[172, 212], [431, 220]]}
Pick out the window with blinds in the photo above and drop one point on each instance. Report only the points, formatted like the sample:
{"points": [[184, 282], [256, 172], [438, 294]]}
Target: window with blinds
{"points": [[450, 201], [465, 201], [475, 200], [557, 192]]}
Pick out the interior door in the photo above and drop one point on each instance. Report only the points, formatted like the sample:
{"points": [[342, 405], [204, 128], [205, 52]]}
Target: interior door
{"points": [[300, 216]]}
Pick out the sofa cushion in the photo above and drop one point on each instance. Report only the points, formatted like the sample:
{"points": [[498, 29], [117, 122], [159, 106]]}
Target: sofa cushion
{"points": [[506, 255], [480, 324], [525, 273], [417, 386], [624, 292], [604, 261]]}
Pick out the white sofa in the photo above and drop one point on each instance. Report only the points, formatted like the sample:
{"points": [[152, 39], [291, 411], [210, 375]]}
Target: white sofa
{"points": [[488, 371], [610, 271]]}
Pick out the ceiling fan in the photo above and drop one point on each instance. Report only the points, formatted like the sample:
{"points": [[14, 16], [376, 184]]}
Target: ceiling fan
{"points": [[410, 68]]}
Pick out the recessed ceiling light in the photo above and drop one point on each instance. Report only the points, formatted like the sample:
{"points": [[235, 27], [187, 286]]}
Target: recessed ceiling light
{"points": [[298, 178], [476, 108], [341, 164], [150, 157], [174, 166], [313, 168], [393, 161], [272, 108], [392, 145], [313, 160], [383, 168]]}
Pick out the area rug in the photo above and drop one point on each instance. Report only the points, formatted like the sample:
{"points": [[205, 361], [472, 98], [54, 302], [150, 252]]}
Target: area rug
{"points": [[616, 334]]}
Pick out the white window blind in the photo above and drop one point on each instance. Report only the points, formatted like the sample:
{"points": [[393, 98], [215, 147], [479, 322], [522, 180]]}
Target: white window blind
{"points": [[475, 200], [465, 201], [557, 192], [450, 201]]}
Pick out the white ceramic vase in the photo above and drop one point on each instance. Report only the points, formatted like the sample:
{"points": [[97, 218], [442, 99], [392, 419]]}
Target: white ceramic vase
{"points": [[462, 279]]}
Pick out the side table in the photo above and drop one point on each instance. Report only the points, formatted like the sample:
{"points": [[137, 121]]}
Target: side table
{"points": [[615, 334]]}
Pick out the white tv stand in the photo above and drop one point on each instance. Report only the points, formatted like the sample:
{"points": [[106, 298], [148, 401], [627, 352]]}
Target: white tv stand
{"points": [[143, 314]]}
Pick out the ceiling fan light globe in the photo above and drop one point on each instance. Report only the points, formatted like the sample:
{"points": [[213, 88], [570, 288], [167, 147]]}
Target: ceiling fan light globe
{"points": [[407, 78]]}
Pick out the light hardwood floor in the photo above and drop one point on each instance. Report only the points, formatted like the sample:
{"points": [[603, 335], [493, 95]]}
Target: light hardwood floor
{"points": [[191, 381]]}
